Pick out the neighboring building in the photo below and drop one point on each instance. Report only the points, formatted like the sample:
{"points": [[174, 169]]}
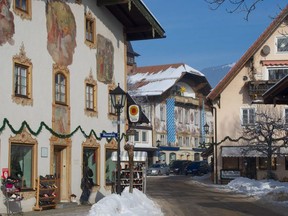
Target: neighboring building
{"points": [[172, 96], [242, 92], [59, 59]]}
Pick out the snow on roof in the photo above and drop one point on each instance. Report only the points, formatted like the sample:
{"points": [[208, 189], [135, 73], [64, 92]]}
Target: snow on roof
{"points": [[155, 83]]}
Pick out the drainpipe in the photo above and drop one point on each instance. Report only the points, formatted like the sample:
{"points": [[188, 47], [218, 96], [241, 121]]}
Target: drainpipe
{"points": [[214, 141]]}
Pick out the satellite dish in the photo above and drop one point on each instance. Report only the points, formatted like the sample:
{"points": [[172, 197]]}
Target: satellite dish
{"points": [[265, 50]]}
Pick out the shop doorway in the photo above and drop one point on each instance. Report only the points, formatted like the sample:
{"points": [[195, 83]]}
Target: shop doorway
{"points": [[250, 167]]}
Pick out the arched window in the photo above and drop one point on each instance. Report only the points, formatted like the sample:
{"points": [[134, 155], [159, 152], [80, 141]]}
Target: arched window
{"points": [[60, 88], [172, 157], [162, 157]]}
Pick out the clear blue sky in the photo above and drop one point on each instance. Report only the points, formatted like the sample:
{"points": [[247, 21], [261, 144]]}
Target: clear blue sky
{"points": [[201, 37]]}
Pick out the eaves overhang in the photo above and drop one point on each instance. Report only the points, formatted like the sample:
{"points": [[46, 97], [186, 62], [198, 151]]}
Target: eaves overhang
{"points": [[216, 92], [139, 23]]}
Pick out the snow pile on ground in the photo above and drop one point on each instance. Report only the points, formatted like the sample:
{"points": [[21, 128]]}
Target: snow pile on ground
{"points": [[126, 204], [269, 190], [274, 191]]}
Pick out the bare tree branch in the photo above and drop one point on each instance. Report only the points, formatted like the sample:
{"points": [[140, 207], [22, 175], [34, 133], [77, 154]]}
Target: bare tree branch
{"points": [[237, 5], [267, 137]]}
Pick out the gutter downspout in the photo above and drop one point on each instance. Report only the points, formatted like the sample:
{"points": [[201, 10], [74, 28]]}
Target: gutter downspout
{"points": [[214, 112]]}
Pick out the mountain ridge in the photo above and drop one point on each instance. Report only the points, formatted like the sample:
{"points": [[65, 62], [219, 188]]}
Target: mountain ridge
{"points": [[215, 74]]}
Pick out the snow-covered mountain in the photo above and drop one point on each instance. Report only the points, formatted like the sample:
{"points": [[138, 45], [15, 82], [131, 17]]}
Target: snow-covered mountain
{"points": [[215, 74]]}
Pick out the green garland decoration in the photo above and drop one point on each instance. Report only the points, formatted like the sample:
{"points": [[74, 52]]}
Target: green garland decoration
{"points": [[61, 136], [203, 145]]}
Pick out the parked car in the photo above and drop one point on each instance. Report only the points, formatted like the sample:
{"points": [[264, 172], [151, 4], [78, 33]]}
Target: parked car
{"points": [[158, 169], [177, 167], [197, 168]]}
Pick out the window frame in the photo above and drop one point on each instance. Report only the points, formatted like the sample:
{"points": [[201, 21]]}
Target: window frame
{"points": [[23, 13], [262, 163], [162, 113], [187, 141], [25, 139], [94, 146], [186, 116], [92, 83], [137, 136], [89, 97], [20, 60], [249, 115], [63, 70], [111, 110], [163, 139], [144, 136], [180, 113], [21, 73], [172, 157], [59, 88], [111, 146], [279, 75], [196, 117], [180, 141], [89, 18], [277, 44], [231, 163]]}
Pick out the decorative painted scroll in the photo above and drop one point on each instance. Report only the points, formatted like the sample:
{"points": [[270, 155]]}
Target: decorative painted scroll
{"points": [[105, 59], [61, 32]]}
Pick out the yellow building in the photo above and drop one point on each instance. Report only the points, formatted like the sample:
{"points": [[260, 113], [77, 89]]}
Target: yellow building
{"points": [[243, 93]]}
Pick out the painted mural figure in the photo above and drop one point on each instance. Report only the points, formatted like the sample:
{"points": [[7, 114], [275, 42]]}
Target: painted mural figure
{"points": [[61, 30], [7, 28], [105, 54]]}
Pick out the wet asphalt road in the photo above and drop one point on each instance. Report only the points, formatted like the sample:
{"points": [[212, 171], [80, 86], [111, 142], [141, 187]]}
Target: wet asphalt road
{"points": [[178, 198]]}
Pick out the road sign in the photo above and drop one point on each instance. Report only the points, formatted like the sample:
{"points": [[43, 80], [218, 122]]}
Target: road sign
{"points": [[108, 135]]}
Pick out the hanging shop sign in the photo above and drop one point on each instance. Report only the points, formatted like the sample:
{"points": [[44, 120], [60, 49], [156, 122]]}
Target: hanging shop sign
{"points": [[134, 113]]}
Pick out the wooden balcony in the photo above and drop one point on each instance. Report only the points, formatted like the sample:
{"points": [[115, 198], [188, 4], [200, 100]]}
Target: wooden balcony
{"points": [[257, 88], [186, 100]]}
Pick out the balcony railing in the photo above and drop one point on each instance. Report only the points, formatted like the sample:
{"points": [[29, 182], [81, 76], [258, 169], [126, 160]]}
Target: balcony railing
{"points": [[257, 88], [186, 100]]}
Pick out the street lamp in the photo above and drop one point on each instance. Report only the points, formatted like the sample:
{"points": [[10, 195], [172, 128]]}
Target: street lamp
{"points": [[206, 128], [158, 143], [118, 98], [214, 145]]}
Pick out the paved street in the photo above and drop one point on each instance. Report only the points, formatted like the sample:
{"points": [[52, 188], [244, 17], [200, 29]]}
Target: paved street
{"points": [[78, 210], [177, 198]]}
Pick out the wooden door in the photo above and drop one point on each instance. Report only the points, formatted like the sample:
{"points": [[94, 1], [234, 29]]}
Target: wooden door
{"points": [[57, 171]]}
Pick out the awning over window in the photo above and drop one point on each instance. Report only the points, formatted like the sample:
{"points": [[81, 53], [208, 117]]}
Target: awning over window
{"points": [[139, 156], [248, 151], [240, 151]]}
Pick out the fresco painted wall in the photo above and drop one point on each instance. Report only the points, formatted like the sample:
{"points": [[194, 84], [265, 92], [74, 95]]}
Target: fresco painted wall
{"points": [[105, 53], [61, 32], [7, 28]]}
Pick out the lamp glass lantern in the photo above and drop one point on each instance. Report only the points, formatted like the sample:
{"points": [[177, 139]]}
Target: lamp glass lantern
{"points": [[206, 128], [158, 143], [118, 98]]}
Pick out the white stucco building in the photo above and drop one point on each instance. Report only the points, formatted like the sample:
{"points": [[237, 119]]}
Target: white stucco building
{"points": [[58, 61]]}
